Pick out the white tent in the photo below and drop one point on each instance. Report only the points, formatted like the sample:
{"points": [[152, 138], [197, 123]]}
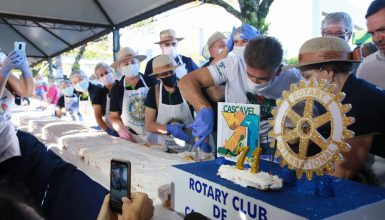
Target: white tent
{"points": [[51, 27]]}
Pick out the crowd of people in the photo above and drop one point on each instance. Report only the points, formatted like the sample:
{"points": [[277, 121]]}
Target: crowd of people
{"points": [[173, 103]]}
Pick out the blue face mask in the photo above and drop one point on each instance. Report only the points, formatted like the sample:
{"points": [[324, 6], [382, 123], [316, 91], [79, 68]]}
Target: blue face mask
{"points": [[69, 91], [82, 86]]}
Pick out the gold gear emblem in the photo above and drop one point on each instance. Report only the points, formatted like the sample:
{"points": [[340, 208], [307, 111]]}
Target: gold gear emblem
{"points": [[304, 129]]}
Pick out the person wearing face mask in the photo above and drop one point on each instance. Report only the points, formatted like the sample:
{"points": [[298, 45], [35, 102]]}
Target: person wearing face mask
{"points": [[127, 97], [257, 78], [39, 92], [101, 103], [167, 112], [68, 102], [238, 40], [214, 46], [169, 44], [367, 100], [86, 93]]}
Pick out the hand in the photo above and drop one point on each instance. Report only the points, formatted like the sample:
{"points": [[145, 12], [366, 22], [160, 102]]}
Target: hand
{"points": [[140, 207], [205, 147], [105, 212], [112, 132], [124, 134], [11, 61], [176, 130], [249, 32], [203, 125], [230, 41], [24, 66]]}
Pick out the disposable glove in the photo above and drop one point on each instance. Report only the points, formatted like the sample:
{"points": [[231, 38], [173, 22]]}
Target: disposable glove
{"points": [[124, 134], [24, 66], [249, 32], [10, 62], [112, 132], [176, 130], [203, 125], [230, 41], [205, 147]]}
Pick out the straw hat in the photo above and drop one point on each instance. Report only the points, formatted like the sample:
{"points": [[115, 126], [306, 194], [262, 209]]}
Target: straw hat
{"points": [[168, 35], [325, 49], [127, 52], [212, 39], [163, 63]]}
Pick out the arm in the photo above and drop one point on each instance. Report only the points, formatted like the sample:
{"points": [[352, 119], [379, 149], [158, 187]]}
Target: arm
{"points": [[99, 117], [353, 160], [191, 87], [150, 122], [116, 121], [3, 82], [23, 86], [216, 93]]}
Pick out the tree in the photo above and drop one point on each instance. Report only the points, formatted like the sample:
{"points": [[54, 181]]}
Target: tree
{"points": [[78, 57], [252, 12]]}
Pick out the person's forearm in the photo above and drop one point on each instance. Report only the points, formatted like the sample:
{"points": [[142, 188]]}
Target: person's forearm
{"points": [[156, 127], [192, 92], [101, 123], [3, 82], [117, 123]]}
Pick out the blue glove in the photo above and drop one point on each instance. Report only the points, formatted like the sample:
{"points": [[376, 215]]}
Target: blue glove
{"points": [[176, 130], [24, 66], [249, 32], [203, 125], [11, 61], [230, 41], [112, 132], [205, 147]]}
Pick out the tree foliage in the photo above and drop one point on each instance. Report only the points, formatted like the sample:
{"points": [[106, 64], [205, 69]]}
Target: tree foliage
{"points": [[252, 12]]}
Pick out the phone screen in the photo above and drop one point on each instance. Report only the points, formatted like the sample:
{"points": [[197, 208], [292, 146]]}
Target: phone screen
{"points": [[120, 183]]}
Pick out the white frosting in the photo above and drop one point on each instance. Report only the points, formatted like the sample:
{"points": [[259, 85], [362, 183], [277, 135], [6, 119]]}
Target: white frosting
{"points": [[245, 178]]}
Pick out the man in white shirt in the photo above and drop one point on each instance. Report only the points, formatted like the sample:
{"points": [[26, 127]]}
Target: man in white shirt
{"points": [[255, 79], [372, 67]]}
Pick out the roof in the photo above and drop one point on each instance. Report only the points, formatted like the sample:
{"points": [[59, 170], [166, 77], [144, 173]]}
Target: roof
{"points": [[51, 27]]}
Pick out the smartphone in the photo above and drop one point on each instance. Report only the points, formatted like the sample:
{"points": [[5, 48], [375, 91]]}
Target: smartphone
{"points": [[120, 183], [19, 45]]}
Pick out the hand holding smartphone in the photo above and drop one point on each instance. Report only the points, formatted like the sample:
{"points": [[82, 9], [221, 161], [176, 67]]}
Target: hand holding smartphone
{"points": [[120, 183]]}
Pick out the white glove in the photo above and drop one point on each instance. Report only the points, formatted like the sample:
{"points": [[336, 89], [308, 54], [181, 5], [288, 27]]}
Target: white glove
{"points": [[23, 66], [11, 61]]}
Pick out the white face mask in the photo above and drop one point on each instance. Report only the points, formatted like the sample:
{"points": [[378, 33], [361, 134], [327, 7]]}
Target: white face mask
{"points": [[131, 70], [169, 51], [107, 79], [180, 71], [258, 88], [239, 51]]}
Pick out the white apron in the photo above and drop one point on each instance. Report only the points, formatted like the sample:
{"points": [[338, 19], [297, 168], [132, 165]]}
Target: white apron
{"points": [[169, 114], [133, 108], [87, 112], [9, 143]]}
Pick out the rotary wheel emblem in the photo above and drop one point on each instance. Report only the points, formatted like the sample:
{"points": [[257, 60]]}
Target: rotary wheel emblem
{"points": [[136, 110], [300, 143]]}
